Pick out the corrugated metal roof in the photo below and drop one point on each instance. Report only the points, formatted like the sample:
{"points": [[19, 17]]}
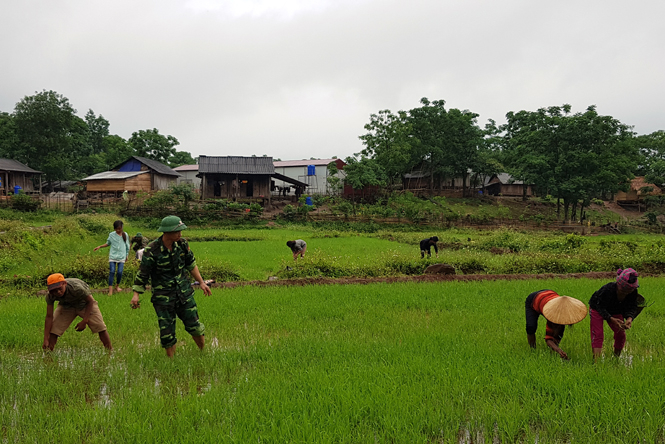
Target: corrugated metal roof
{"points": [[15, 165], [298, 163], [110, 175], [236, 165], [186, 168], [153, 165]]}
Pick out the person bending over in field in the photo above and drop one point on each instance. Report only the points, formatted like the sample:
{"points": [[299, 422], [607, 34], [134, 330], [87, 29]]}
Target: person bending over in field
{"points": [[618, 303], [165, 264], [298, 247], [74, 299], [139, 242], [427, 244], [559, 311]]}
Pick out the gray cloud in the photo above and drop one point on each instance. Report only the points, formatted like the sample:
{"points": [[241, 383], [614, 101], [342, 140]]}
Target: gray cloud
{"points": [[228, 78]]}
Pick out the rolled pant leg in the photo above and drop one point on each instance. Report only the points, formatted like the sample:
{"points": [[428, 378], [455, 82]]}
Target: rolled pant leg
{"points": [[166, 318], [189, 315]]}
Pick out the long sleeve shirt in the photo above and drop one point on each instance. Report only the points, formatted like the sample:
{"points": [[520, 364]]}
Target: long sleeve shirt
{"points": [[425, 245], [119, 246], [606, 302], [166, 270]]}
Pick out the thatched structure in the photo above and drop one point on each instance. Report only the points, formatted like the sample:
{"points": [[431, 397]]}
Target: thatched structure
{"points": [[639, 189]]}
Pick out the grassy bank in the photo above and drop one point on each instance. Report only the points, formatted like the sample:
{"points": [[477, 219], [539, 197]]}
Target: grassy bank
{"points": [[375, 363], [228, 253]]}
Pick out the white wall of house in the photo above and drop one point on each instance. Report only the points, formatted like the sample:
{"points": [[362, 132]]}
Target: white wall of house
{"points": [[189, 173], [318, 183]]}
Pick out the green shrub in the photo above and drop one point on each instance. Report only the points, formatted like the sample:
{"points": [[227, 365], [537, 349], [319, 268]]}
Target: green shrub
{"points": [[162, 199], [25, 203], [220, 272], [93, 224]]}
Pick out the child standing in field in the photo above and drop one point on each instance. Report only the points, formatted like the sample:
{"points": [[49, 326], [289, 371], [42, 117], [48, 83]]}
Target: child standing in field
{"points": [[118, 240], [298, 247]]}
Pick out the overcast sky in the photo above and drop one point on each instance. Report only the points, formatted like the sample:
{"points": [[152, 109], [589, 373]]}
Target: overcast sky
{"points": [[296, 79]]}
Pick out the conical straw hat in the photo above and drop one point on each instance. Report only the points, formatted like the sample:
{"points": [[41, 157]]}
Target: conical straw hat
{"points": [[565, 310]]}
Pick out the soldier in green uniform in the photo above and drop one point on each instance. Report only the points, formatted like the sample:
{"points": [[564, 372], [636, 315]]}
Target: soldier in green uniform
{"points": [[165, 264]]}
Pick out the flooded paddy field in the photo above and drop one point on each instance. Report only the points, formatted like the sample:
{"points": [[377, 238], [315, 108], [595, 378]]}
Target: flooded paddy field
{"points": [[381, 362]]}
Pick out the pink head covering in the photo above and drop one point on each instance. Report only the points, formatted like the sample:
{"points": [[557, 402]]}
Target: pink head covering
{"points": [[627, 279]]}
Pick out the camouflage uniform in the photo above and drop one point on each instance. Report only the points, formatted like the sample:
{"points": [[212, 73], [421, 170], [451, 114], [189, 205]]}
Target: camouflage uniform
{"points": [[172, 294]]}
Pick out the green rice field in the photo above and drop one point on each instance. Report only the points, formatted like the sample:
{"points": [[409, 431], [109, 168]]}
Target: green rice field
{"points": [[381, 363]]}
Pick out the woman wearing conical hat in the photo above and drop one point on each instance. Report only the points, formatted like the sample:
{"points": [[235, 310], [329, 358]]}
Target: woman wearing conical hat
{"points": [[618, 303], [559, 311]]}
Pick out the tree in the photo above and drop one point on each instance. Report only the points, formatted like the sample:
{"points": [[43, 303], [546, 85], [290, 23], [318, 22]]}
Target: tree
{"points": [[99, 129], [51, 138], [115, 151], [388, 141], [573, 157], [335, 182], [181, 158], [8, 138], [443, 143], [652, 149], [151, 144], [364, 172]]}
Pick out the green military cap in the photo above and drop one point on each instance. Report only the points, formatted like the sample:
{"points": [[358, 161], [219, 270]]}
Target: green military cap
{"points": [[171, 223]]}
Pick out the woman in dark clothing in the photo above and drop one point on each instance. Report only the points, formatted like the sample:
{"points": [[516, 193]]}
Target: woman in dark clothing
{"points": [[616, 303], [427, 244]]}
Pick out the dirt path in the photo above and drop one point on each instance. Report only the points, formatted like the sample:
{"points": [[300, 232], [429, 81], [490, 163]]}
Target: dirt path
{"points": [[625, 214]]}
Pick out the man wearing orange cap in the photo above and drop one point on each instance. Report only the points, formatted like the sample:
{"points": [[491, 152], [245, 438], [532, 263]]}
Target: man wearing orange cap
{"points": [[559, 311], [74, 299]]}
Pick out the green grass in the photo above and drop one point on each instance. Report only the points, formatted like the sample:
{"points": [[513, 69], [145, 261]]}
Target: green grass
{"points": [[376, 363]]}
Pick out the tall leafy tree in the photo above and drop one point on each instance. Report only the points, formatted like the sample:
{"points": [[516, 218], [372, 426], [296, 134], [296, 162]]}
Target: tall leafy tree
{"points": [[8, 138], [51, 138], [443, 143], [574, 157], [98, 128], [364, 172], [389, 142], [652, 149], [151, 144], [115, 151], [181, 158]]}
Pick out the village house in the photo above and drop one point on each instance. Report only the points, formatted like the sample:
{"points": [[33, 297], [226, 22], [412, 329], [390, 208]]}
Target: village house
{"points": [[14, 176], [503, 184], [638, 190], [134, 174], [236, 177]]}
